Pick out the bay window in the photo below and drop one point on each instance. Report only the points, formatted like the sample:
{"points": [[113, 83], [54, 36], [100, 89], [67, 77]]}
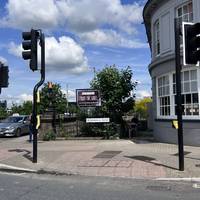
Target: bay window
{"points": [[166, 94], [190, 97]]}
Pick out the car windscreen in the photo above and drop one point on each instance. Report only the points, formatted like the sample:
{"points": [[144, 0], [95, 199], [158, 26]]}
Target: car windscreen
{"points": [[12, 120]]}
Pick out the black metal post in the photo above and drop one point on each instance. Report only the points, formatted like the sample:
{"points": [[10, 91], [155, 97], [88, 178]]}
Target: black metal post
{"points": [[34, 112], [177, 26]]}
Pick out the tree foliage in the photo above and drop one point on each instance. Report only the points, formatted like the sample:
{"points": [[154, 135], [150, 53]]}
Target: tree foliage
{"points": [[141, 107], [54, 99], [3, 113], [24, 109], [115, 87]]}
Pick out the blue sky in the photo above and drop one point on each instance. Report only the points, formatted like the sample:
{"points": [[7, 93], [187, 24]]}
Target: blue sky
{"points": [[80, 35]]}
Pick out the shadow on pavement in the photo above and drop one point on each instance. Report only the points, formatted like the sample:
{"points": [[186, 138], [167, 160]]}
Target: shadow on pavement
{"points": [[149, 160], [27, 154]]}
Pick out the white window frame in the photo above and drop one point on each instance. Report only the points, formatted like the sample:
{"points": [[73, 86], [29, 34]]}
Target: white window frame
{"points": [[172, 101], [185, 14], [158, 97]]}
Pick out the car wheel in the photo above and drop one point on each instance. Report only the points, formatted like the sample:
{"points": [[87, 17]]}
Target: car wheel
{"points": [[18, 132]]}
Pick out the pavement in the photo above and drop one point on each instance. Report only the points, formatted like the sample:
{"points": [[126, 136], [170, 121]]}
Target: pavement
{"points": [[137, 158]]}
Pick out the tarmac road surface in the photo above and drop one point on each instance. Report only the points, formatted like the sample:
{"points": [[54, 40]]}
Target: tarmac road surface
{"points": [[46, 187]]}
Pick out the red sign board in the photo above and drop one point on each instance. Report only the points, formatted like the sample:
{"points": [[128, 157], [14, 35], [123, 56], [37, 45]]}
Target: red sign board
{"points": [[88, 98]]}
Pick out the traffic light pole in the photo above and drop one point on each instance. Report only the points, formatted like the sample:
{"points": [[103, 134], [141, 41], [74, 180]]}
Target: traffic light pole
{"points": [[35, 90], [178, 94]]}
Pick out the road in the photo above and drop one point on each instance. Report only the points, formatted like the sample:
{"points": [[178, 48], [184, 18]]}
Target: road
{"points": [[46, 187]]}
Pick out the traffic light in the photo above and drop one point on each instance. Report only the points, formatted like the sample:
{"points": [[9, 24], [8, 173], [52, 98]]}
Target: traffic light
{"points": [[3, 76], [191, 43], [30, 46]]}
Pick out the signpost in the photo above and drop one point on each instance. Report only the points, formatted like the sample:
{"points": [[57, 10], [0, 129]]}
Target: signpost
{"points": [[88, 98], [98, 120], [178, 94]]}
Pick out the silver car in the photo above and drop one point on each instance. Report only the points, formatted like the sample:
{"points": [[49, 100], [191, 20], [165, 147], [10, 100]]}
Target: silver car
{"points": [[15, 126]]}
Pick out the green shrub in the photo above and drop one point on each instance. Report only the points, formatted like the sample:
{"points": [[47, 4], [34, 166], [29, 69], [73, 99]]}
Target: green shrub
{"points": [[107, 131], [49, 136]]}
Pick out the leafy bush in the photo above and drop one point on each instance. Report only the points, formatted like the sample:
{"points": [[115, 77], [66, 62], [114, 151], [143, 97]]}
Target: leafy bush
{"points": [[107, 131], [49, 136]]}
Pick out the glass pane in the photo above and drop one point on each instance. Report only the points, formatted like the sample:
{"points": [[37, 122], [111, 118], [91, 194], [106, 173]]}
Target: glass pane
{"points": [[168, 100], [179, 12], [186, 18], [174, 89], [185, 9], [195, 98], [188, 99], [158, 48], [193, 86], [183, 109], [188, 110], [190, 7], [195, 109], [159, 82], [193, 74], [160, 101], [190, 17], [164, 91], [186, 76], [175, 100], [167, 90], [165, 101], [162, 111], [168, 110], [167, 80], [174, 78], [187, 87], [164, 81], [159, 92]]}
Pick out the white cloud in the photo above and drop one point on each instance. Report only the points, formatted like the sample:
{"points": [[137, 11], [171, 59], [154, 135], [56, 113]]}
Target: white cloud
{"points": [[65, 55], [71, 94], [23, 14], [82, 15], [15, 49], [110, 38], [142, 93], [25, 97], [3, 60], [87, 15], [62, 55]]}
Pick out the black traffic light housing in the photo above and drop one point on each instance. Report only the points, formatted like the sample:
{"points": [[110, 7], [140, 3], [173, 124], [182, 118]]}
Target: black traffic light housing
{"points": [[30, 46], [4, 76], [191, 42]]}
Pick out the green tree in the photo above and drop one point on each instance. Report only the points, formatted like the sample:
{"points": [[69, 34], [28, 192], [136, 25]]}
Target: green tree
{"points": [[115, 87], [141, 107], [24, 109], [54, 99], [3, 113], [16, 108]]}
